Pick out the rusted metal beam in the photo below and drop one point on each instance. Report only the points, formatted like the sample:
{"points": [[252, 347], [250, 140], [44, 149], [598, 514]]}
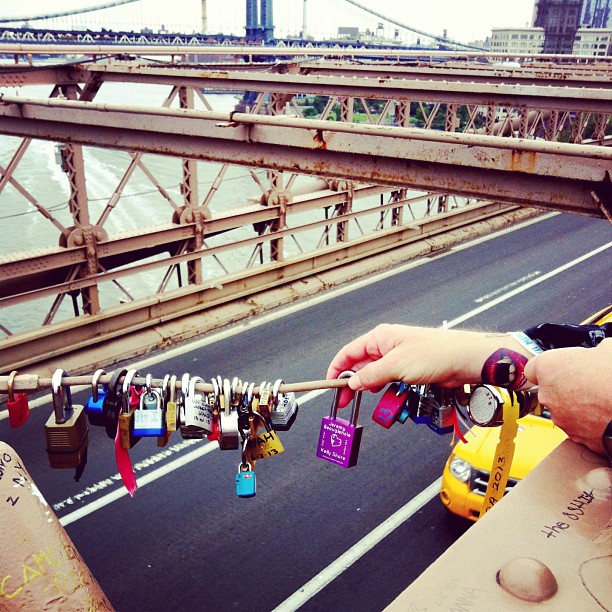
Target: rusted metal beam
{"points": [[552, 175], [573, 75], [542, 96]]}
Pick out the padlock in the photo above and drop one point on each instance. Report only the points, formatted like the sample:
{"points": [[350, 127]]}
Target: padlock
{"points": [[339, 440], [262, 444], [228, 420], [113, 403], [95, 404], [196, 415], [171, 405], [246, 483], [391, 405], [284, 408], [213, 402], [66, 429], [265, 397], [420, 404], [17, 404], [441, 410], [165, 394], [130, 398], [149, 419]]}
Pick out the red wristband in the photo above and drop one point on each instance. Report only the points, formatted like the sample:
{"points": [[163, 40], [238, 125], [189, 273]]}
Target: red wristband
{"points": [[505, 368]]}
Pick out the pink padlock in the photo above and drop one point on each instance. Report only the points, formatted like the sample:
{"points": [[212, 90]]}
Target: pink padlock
{"points": [[390, 405]]}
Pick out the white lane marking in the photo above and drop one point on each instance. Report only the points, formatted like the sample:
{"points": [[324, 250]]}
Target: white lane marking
{"points": [[171, 466], [529, 285], [518, 281], [99, 486], [342, 563]]}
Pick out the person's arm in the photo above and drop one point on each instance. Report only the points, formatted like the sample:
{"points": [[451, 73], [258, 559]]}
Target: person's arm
{"points": [[418, 355], [575, 384]]}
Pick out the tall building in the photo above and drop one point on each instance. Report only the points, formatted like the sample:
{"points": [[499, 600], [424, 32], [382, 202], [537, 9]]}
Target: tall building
{"points": [[560, 20], [596, 14]]}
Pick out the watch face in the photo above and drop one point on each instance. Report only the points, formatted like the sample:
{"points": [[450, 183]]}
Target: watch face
{"points": [[484, 406]]}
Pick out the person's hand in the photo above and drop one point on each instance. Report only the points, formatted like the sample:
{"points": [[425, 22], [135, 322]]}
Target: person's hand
{"points": [[575, 384], [416, 355]]}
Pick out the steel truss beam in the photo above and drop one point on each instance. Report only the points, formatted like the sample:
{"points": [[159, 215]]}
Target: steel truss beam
{"points": [[558, 176], [502, 94]]}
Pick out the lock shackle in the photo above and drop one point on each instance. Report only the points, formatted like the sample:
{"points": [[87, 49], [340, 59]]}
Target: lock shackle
{"points": [[164, 389], [192, 383], [356, 399], [247, 397], [215, 386], [185, 384], [62, 397], [94, 383], [227, 392], [10, 383], [277, 383], [172, 388], [116, 376], [125, 396], [148, 382]]}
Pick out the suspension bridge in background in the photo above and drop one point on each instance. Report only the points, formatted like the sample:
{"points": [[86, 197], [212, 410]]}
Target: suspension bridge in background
{"points": [[259, 29]]}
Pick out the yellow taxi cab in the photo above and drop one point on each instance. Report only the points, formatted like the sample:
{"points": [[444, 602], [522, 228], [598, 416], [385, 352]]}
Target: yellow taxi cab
{"points": [[466, 473]]}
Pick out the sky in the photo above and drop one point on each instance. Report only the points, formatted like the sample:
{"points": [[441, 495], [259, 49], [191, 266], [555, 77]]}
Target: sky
{"points": [[464, 20]]}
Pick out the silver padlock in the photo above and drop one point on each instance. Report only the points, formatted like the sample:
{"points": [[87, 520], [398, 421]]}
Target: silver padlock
{"points": [[188, 410], [284, 408], [228, 420], [149, 419]]}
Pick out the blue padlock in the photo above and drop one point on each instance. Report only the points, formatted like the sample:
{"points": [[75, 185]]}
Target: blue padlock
{"points": [[93, 407], [246, 483], [150, 418]]}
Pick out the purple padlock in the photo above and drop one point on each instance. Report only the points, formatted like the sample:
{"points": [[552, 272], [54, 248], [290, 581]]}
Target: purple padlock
{"points": [[340, 439]]}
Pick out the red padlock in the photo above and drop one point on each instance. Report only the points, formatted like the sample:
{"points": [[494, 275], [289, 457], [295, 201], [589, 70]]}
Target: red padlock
{"points": [[390, 405], [17, 404]]}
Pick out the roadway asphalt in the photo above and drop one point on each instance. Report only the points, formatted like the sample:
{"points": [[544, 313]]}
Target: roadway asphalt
{"points": [[186, 542]]}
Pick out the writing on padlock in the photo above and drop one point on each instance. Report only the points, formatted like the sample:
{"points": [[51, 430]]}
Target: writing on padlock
{"points": [[339, 439], [94, 408], [264, 444], [195, 414], [246, 483], [17, 404], [66, 430], [149, 419]]}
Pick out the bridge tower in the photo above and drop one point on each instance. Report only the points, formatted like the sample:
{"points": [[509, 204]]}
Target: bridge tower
{"points": [[267, 21], [259, 24]]}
